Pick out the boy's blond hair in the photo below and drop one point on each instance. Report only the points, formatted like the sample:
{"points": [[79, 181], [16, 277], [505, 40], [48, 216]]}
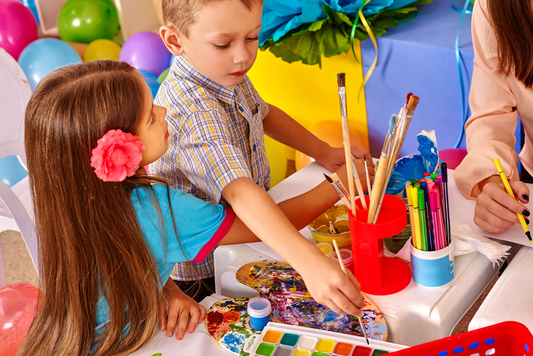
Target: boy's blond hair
{"points": [[182, 14]]}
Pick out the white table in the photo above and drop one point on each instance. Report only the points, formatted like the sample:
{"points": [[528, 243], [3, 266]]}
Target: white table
{"points": [[414, 316], [510, 297]]}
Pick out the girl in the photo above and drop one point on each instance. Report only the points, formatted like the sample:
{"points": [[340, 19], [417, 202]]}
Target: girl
{"points": [[108, 233], [501, 92]]}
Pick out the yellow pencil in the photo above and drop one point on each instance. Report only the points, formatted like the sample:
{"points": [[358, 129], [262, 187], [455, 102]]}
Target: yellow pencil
{"points": [[510, 191]]}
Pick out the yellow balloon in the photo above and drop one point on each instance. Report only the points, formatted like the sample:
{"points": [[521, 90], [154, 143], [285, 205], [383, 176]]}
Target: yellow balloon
{"points": [[101, 49], [329, 131], [277, 157]]}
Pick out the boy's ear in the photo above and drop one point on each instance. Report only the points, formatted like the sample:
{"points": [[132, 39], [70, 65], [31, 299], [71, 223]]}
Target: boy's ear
{"points": [[172, 39]]}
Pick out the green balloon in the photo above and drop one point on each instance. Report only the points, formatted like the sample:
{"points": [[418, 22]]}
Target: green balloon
{"points": [[84, 21], [163, 75]]}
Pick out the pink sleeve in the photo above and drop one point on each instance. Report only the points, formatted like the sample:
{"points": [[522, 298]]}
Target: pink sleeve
{"points": [[217, 237], [491, 127]]}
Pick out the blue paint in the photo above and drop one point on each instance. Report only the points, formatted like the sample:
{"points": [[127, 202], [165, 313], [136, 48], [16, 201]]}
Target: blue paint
{"points": [[233, 342], [428, 150]]}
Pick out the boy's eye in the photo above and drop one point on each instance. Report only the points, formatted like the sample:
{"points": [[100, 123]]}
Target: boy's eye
{"points": [[222, 46], [253, 38]]}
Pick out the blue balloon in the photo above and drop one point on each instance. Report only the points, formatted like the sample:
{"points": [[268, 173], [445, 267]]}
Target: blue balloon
{"points": [[151, 80], [11, 171], [45, 55], [30, 4]]}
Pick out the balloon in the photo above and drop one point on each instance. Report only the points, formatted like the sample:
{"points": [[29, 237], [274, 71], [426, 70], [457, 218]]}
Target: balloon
{"points": [[84, 21], [163, 76], [18, 302], [101, 49], [11, 172], [18, 27], [277, 157], [43, 56], [30, 4], [329, 131], [151, 80], [146, 50]]}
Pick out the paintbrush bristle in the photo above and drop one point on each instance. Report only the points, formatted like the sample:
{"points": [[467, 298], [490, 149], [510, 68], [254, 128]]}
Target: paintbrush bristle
{"points": [[413, 102], [328, 178], [341, 80], [408, 96]]}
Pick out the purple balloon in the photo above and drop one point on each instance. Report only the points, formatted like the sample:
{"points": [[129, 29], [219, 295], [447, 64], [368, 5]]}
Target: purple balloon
{"points": [[18, 27], [146, 50]]}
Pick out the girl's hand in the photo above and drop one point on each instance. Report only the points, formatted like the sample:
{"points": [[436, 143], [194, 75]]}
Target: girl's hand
{"points": [[329, 286], [333, 158], [180, 308], [496, 210]]}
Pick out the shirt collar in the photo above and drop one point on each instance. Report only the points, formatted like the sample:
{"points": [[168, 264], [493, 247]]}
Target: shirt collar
{"points": [[186, 71]]}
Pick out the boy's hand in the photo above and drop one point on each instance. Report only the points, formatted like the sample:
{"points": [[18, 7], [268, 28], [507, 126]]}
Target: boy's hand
{"points": [[333, 158], [360, 166], [181, 308], [495, 209], [329, 286]]}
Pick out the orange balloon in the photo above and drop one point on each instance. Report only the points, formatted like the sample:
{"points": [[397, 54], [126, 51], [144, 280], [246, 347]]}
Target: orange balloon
{"points": [[329, 131]]}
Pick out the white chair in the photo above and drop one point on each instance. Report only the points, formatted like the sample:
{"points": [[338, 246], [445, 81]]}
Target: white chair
{"points": [[15, 203]]}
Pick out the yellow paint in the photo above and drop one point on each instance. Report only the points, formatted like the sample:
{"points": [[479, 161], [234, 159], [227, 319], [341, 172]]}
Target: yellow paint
{"points": [[272, 336], [325, 345], [300, 352], [309, 94]]}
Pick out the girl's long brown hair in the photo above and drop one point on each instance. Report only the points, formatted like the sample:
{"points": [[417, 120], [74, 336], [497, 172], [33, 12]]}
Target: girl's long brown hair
{"points": [[512, 21], [90, 242]]}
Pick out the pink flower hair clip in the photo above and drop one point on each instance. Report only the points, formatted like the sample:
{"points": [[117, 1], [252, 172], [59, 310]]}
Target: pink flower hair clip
{"points": [[117, 156]]}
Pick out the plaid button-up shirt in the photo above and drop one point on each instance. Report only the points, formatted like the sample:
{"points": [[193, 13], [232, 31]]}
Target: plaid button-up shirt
{"points": [[216, 136]]}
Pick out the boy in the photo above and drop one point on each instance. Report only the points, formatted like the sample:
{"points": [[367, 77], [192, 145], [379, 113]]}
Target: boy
{"points": [[216, 121]]}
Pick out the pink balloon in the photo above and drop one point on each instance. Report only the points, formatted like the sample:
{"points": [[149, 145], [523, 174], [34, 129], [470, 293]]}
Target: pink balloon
{"points": [[18, 27], [17, 309]]}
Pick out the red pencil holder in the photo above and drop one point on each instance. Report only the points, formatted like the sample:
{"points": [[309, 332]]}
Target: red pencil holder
{"points": [[376, 273]]}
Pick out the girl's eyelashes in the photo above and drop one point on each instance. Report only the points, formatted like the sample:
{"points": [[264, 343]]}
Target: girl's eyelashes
{"points": [[253, 38], [222, 46]]}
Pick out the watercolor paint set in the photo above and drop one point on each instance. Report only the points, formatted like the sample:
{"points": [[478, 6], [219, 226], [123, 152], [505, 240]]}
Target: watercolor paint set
{"points": [[290, 340]]}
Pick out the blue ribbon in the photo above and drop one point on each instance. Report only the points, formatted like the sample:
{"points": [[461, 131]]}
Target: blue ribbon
{"points": [[459, 59]]}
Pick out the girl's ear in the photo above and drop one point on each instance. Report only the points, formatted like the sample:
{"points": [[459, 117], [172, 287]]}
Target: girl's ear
{"points": [[172, 39]]}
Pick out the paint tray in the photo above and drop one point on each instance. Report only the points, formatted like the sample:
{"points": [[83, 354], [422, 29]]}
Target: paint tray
{"points": [[290, 340], [506, 338]]}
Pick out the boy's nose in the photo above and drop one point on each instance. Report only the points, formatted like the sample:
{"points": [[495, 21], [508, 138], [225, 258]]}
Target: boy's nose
{"points": [[241, 55]]}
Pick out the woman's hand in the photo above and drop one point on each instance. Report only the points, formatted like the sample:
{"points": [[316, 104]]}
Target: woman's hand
{"points": [[181, 309], [495, 209]]}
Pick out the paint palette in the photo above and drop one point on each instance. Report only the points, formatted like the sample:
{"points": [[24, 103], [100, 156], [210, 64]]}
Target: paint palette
{"points": [[292, 304], [228, 323], [290, 340]]}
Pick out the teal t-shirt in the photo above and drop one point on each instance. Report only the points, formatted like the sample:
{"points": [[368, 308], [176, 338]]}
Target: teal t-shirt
{"points": [[200, 226]]}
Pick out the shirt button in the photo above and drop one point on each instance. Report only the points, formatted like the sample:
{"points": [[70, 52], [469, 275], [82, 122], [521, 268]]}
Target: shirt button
{"points": [[240, 108]]}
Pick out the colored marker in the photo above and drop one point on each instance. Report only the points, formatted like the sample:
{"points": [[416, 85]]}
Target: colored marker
{"points": [[416, 217], [434, 197], [445, 203], [423, 227], [429, 220], [408, 189], [510, 191]]}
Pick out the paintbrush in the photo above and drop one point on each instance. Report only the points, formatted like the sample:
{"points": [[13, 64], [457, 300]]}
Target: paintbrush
{"points": [[358, 185], [341, 84], [405, 115], [379, 178], [346, 273], [339, 184], [367, 179], [344, 198]]}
